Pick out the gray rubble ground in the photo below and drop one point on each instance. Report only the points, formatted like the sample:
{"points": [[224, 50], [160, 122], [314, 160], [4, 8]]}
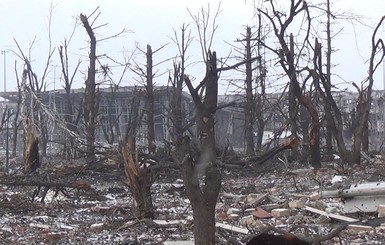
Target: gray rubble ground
{"points": [[250, 199]]}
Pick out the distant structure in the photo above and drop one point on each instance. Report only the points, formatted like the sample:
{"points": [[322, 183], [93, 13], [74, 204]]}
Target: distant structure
{"points": [[116, 107]]}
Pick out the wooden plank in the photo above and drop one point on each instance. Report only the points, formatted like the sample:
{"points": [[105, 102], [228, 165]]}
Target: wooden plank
{"points": [[168, 222], [334, 216], [179, 243]]}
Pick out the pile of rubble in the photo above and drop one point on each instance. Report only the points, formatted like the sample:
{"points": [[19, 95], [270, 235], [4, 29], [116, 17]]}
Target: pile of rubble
{"points": [[309, 204]]}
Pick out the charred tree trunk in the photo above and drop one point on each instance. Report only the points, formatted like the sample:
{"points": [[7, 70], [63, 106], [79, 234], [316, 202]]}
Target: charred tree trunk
{"points": [[332, 112], [31, 152], [31, 141], [90, 92], [249, 107], [140, 180], [203, 196], [150, 103]]}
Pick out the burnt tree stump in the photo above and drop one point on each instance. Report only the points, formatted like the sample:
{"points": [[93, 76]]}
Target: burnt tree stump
{"points": [[140, 180]]}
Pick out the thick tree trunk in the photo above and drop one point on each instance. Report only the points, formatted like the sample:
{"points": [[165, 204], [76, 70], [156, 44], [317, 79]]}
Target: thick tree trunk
{"points": [[203, 197], [202, 178]]}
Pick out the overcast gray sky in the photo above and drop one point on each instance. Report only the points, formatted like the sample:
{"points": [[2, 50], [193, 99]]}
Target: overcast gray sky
{"points": [[152, 22]]}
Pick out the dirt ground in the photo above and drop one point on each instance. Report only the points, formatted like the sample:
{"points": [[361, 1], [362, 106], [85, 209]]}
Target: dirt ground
{"points": [[106, 213]]}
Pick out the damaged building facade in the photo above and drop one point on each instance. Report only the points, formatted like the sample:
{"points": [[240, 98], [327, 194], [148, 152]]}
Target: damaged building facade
{"points": [[122, 110]]}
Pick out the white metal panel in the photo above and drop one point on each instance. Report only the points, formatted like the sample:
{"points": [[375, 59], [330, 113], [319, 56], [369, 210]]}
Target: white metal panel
{"points": [[363, 204]]}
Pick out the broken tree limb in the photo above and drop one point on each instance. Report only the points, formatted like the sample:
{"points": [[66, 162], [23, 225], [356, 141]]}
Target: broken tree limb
{"points": [[334, 216], [291, 143], [23, 181]]}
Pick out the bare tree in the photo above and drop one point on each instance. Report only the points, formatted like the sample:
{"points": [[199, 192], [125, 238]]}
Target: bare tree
{"points": [[90, 109], [176, 80], [287, 60], [35, 122], [203, 198], [36, 85], [69, 118], [146, 77]]}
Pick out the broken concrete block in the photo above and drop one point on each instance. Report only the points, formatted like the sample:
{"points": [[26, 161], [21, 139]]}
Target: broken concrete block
{"points": [[280, 212], [247, 219], [320, 205], [253, 200], [297, 203], [314, 196], [96, 226], [250, 222], [233, 211], [233, 217], [338, 178], [381, 210], [331, 210]]}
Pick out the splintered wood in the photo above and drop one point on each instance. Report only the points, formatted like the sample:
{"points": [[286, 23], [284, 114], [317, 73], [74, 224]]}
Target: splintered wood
{"points": [[31, 156], [139, 180]]}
